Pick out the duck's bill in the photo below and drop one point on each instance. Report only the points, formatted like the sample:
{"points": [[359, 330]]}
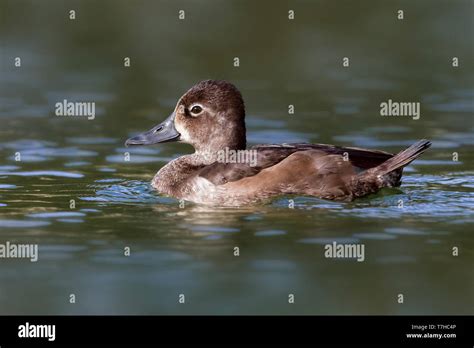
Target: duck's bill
{"points": [[162, 133]]}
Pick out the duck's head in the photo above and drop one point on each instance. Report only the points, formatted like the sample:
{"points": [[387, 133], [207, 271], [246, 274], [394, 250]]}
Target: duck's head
{"points": [[210, 117]]}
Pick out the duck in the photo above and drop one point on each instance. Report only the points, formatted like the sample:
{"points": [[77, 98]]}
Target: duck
{"points": [[210, 117]]}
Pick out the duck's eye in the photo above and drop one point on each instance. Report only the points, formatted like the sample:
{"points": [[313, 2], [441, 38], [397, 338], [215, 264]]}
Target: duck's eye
{"points": [[196, 109]]}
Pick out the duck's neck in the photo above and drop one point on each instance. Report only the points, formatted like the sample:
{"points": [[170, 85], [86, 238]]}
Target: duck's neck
{"points": [[231, 138]]}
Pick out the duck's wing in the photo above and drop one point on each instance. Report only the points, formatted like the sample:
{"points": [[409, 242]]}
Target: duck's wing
{"points": [[270, 154], [359, 157]]}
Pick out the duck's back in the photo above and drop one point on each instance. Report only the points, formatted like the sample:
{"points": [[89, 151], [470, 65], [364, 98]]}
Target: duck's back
{"points": [[267, 156]]}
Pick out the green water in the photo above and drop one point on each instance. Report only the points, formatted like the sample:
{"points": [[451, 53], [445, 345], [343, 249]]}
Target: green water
{"points": [[190, 250]]}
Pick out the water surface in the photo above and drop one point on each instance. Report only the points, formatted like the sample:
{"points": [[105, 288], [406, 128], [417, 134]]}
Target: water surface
{"points": [[74, 193]]}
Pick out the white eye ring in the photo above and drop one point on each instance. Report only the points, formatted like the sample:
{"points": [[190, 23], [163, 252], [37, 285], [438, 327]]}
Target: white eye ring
{"points": [[195, 113]]}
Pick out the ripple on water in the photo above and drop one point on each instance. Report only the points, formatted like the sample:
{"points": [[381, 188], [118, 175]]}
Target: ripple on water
{"points": [[307, 203], [22, 223], [388, 129], [346, 109], [62, 248], [72, 221], [109, 180], [26, 144], [139, 150], [375, 236], [155, 257], [7, 168], [449, 179], [58, 152], [57, 214], [76, 164], [409, 169], [136, 159], [107, 170], [92, 140], [433, 241], [42, 153], [269, 233], [253, 217], [7, 186], [459, 105], [462, 138], [422, 162], [211, 228], [131, 191], [405, 231], [30, 158], [213, 237], [322, 241], [56, 173]]}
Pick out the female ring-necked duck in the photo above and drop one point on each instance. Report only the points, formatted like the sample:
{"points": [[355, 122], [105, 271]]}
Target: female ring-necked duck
{"points": [[211, 117]]}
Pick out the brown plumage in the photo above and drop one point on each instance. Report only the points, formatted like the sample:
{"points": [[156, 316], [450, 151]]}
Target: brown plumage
{"points": [[211, 117]]}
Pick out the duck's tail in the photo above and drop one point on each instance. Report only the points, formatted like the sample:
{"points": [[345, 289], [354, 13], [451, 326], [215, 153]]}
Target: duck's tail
{"points": [[388, 173], [402, 158]]}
